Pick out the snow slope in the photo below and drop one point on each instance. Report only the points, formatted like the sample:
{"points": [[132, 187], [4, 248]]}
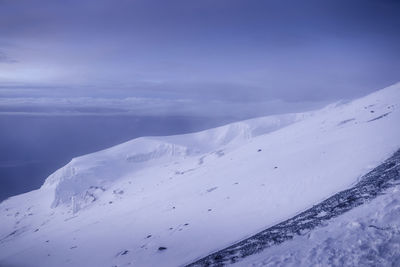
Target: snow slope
{"points": [[366, 236], [196, 193]]}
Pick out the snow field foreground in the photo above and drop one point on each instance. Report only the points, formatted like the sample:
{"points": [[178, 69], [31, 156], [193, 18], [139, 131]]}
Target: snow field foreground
{"points": [[376, 182], [167, 201], [366, 236]]}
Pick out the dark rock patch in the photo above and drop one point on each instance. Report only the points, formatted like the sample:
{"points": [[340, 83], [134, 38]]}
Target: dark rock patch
{"points": [[380, 117], [212, 189], [345, 121]]}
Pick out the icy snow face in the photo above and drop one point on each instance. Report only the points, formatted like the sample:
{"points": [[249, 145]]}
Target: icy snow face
{"points": [[170, 200], [163, 150], [84, 179]]}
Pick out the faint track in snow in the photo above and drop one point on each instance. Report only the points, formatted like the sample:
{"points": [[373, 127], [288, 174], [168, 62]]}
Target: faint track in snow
{"points": [[370, 186]]}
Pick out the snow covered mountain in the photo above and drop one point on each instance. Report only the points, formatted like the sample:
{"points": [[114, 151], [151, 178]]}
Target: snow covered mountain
{"points": [[167, 201]]}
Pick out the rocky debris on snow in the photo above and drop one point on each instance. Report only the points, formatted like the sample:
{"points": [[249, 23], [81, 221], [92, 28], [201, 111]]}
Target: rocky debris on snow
{"points": [[380, 117], [212, 189]]}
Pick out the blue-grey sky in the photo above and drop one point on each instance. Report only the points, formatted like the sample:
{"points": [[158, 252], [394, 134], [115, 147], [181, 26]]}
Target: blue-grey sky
{"points": [[230, 57]]}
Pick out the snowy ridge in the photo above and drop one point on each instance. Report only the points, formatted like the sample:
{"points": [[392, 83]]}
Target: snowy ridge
{"points": [[86, 177], [171, 200]]}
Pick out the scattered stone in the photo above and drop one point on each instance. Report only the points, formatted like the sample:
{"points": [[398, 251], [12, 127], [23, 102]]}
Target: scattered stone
{"points": [[212, 189], [148, 236], [379, 117], [12, 233], [186, 224], [118, 192], [345, 121], [259, 150], [162, 248]]}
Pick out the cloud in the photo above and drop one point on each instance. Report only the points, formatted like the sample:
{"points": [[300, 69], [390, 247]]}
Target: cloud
{"points": [[4, 58], [234, 53], [140, 106]]}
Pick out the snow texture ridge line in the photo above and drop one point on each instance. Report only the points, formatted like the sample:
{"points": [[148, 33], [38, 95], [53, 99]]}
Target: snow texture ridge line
{"points": [[370, 186]]}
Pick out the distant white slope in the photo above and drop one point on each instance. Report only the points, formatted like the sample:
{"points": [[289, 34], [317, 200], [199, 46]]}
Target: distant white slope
{"points": [[196, 193], [99, 170]]}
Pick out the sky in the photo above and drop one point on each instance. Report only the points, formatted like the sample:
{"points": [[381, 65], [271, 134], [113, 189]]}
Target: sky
{"points": [[237, 58]]}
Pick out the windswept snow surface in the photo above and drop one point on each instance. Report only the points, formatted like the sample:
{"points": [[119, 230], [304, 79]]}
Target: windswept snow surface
{"points": [[166, 201], [373, 184], [366, 236]]}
